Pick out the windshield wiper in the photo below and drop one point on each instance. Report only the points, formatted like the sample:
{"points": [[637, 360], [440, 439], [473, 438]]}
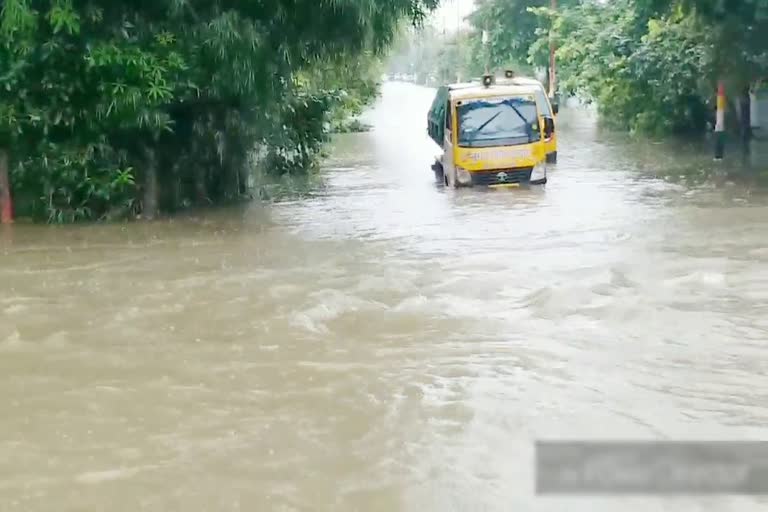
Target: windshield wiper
{"points": [[529, 128], [480, 128], [519, 114]]}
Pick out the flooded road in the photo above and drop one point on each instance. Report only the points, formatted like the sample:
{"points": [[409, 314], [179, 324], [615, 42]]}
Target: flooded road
{"points": [[387, 345]]}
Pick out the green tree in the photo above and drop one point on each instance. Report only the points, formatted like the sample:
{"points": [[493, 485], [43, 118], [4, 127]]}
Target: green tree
{"points": [[512, 28], [109, 108], [650, 65], [646, 74]]}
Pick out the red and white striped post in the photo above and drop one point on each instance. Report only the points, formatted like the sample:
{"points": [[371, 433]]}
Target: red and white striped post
{"points": [[720, 122]]}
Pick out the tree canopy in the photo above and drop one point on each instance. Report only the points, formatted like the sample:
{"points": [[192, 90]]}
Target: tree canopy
{"points": [[113, 107], [651, 65]]}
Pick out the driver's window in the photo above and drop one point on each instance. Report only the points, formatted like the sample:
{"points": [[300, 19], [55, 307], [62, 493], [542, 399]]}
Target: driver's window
{"points": [[448, 116], [541, 101]]}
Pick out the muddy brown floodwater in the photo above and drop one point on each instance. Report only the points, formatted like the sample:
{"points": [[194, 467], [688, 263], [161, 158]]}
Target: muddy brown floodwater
{"points": [[386, 345]]}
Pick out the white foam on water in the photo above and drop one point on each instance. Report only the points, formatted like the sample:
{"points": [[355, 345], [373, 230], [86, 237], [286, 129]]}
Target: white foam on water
{"points": [[12, 342], [708, 278], [15, 309], [304, 321], [109, 475]]}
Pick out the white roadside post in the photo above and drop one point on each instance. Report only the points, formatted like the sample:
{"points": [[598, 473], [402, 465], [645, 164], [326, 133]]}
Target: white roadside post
{"points": [[754, 107]]}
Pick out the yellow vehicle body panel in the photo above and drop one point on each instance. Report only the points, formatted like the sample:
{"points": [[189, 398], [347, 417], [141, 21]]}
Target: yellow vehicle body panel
{"points": [[503, 157], [513, 87], [497, 157], [497, 165]]}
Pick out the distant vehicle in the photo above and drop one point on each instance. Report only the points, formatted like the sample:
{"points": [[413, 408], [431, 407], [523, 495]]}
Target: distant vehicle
{"points": [[496, 133]]}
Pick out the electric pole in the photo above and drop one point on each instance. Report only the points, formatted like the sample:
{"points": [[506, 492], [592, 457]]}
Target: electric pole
{"points": [[552, 49], [458, 42]]}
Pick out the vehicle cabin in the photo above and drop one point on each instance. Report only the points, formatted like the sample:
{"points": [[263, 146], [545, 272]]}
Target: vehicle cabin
{"points": [[494, 132]]}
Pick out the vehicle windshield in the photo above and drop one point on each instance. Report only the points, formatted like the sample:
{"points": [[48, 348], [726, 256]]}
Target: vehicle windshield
{"points": [[498, 122]]}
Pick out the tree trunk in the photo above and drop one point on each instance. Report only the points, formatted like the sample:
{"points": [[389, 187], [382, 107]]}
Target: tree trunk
{"points": [[552, 64], [201, 190], [176, 187], [745, 118], [150, 186], [231, 178], [242, 179], [6, 207]]}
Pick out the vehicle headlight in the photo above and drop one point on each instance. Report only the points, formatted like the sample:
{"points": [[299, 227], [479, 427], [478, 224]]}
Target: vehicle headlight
{"points": [[539, 171], [463, 176]]}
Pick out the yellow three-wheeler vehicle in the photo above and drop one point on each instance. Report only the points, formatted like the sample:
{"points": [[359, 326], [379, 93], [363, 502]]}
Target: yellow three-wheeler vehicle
{"points": [[497, 133]]}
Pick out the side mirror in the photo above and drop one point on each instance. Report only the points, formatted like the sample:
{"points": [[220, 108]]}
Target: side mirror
{"points": [[556, 108], [549, 127]]}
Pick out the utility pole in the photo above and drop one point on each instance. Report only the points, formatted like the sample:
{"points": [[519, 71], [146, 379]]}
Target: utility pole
{"points": [[444, 70], [458, 42], [552, 49]]}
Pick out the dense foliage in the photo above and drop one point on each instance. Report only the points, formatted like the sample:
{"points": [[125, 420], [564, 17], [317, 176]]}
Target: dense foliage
{"points": [[114, 108], [650, 65], [654, 75], [653, 66]]}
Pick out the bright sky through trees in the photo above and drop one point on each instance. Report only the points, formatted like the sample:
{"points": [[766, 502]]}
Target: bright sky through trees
{"points": [[451, 13]]}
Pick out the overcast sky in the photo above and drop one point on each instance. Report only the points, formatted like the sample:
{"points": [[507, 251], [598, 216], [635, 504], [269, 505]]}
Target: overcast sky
{"points": [[449, 12]]}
